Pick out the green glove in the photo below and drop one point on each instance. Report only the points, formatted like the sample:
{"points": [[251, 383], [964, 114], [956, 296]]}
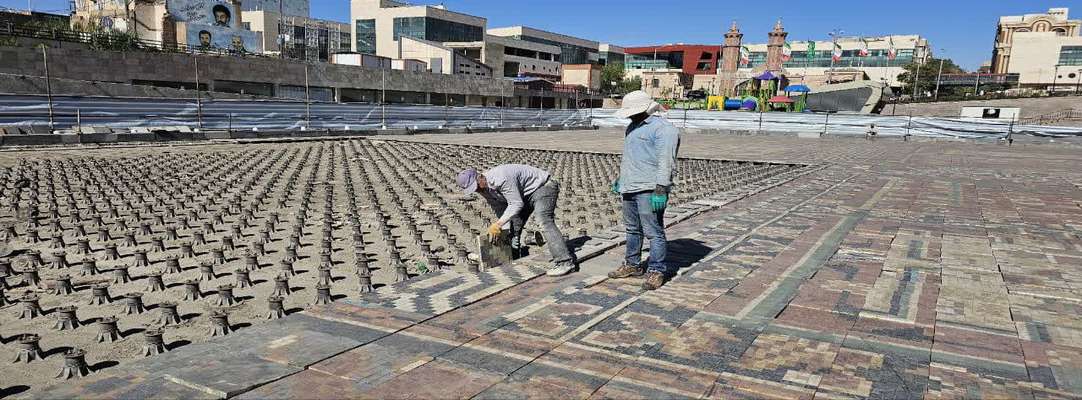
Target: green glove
{"points": [[659, 199], [615, 187]]}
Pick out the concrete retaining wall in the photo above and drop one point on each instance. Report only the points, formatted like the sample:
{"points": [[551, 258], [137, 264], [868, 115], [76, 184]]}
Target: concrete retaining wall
{"points": [[124, 67], [34, 85], [1030, 107]]}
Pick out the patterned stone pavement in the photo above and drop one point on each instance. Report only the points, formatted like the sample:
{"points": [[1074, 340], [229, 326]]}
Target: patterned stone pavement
{"points": [[897, 270]]}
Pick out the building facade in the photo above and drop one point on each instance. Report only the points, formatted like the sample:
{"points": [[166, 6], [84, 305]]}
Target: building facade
{"points": [[816, 57], [296, 8], [1045, 50], [585, 75], [610, 54], [573, 50], [441, 59], [378, 24], [511, 57], [298, 37], [690, 59]]}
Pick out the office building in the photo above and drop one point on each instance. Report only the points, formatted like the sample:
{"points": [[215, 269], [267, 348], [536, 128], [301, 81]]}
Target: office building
{"points": [[378, 24], [689, 59], [610, 54], [1045, 50], [511, 58], [573, 50], [441, 59]]}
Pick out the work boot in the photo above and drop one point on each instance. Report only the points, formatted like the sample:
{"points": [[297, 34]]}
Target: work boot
{"points": [[653, 280], [626, 271], [562, 269]]}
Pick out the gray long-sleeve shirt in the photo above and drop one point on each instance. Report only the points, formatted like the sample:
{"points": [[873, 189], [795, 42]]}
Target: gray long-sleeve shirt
{"points": [[509, 184], [649, 155]]}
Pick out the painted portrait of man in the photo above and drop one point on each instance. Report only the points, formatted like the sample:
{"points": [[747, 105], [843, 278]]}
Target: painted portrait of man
{"points": [[222, 16], [204, 39], [238, 45]]}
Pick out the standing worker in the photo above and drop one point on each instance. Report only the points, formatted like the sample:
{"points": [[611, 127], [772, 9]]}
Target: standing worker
{"points": [[515, 191], [646, 171]]}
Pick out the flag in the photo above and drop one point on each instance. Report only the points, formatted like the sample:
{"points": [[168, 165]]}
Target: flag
{"points": [[892, 52], [864, 48], [745, 55], [786, 52], [811, 50], [836, 55]]}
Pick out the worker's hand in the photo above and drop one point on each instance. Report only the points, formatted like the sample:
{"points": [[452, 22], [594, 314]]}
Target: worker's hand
{"points": [[494, 232], [659, 199], [615, 187]]}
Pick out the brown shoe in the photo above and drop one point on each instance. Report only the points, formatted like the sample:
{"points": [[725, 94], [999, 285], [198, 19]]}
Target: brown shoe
{"points": [[653, 280], [626, 271]]}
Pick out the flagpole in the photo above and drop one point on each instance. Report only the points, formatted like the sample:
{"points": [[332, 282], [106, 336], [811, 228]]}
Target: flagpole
{"points": [[834, 40]]}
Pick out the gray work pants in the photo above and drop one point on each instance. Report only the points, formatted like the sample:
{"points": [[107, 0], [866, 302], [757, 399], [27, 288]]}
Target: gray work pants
{"points": [[542, 205]]}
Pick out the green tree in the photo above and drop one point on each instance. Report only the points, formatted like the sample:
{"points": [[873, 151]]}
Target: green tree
{"points": [[926, 78], [612, 75], [629, 85]]}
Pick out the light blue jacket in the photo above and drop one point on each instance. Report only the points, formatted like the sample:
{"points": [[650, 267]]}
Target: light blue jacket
{"points": [[649, 156]]}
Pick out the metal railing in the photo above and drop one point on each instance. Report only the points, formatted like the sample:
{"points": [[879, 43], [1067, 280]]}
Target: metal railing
{"points": [[1052, 118], [118, 42]]}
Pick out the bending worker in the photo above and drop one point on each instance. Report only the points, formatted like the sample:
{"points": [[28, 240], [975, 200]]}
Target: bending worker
{"points": [[515, 191], [646, 171]]}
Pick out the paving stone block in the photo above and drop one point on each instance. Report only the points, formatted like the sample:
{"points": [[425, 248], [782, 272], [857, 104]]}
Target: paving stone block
{"points": [[228, 375]]}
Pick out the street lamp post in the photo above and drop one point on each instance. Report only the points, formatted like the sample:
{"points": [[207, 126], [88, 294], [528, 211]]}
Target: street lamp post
{"points": [[48, 86], [1055, 76], [939, 77], [198, 95]]}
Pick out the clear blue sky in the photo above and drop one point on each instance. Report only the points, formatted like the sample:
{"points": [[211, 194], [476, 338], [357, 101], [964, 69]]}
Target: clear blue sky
{"points": [[963, 29]]}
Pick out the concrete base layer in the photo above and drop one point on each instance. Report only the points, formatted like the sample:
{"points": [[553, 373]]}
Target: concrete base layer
{"points": [[892, 270]]}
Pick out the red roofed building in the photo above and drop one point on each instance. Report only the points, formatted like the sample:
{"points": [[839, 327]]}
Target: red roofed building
{"points": [[690, 59]]}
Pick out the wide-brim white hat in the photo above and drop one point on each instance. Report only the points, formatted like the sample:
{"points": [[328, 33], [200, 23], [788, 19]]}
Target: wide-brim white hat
{"points": [[637, 102]]}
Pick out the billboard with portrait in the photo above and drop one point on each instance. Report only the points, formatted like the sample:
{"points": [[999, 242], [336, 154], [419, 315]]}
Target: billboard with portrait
{"points": [[206, 36], [206, 12], [212, 23]]}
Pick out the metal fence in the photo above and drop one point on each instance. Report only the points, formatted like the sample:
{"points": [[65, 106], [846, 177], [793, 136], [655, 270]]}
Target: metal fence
{"points": [[69, 112], [818, 124], [1053, 118]]}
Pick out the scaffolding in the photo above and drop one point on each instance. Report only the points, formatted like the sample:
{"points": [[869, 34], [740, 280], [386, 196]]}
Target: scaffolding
{"points": [[320, 38]]}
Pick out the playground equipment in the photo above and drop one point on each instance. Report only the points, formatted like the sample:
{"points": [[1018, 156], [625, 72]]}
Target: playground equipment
{"points": [[802, 91]]}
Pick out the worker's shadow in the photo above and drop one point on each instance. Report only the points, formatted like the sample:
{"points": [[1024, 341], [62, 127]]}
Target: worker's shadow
{"points": [[682, 253]]}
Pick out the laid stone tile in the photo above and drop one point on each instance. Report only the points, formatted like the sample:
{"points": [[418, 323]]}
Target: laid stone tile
{"points": [[388, 319], [542, 381], [953, 382], [229, 374], [1055, 367], [817, 321], [378, 361], [735, 386], [107, 385], [951, 341], [309, 384], [492, 362], [439, 379]]}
